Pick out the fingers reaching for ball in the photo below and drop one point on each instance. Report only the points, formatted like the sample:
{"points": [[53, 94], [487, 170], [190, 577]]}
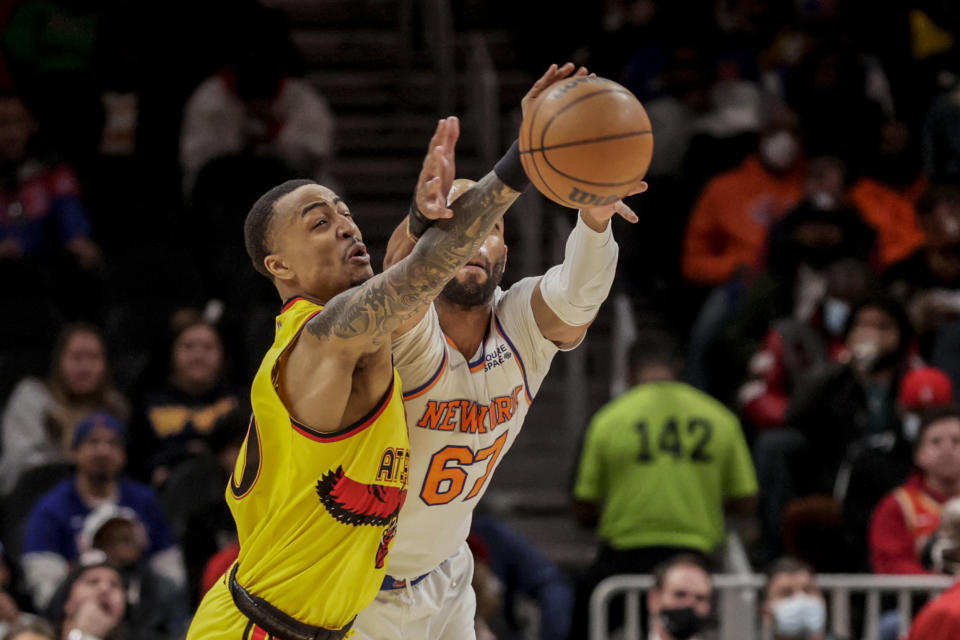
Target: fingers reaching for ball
{"points": [[552, 75], [439, 170], [626, 212]]}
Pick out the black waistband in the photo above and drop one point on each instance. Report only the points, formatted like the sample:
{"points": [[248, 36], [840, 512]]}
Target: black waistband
{"points": [[275, 622]]}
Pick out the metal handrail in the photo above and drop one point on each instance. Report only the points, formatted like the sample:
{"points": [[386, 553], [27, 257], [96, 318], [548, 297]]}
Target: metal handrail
{"points": [[838, 586]]}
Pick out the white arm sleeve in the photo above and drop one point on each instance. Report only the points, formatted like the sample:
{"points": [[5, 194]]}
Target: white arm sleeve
{"points": [[575, 289]]}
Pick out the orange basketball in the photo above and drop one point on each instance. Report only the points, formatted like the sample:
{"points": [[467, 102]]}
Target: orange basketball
{"points": [[586, 142]]}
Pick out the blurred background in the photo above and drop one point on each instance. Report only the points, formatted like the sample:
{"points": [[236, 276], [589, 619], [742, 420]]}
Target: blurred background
{"points": [[798, 250]]}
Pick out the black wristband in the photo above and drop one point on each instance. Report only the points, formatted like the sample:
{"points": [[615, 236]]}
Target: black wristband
{"points": [[510, 170], [417, 223]]}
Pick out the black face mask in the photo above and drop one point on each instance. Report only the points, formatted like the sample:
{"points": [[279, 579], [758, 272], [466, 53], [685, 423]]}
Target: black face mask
{"points": [[681, 623]]}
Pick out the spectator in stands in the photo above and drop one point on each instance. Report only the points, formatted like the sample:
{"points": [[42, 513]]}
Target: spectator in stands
{"points": [[157, 608], [193, 496], [11, 614], [921, 389], [522, 570], [802, 342], [833, 410], [39, 420], [254, 107], [793, 606], [941, 137], [660, 465], [941, 618], [903, 522], [91, 602], [33, 629], [882, 462], [176, 416], [886, 194], [728, 225], [927, 282], [681, 599], [39, 196], [50, 542], [819, 231]]}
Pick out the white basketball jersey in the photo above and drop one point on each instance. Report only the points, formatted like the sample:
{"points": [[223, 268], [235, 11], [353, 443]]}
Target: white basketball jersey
{"points": [[462, 416]]}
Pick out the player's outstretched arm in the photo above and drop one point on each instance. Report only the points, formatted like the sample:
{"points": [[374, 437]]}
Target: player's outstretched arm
{"points": [[405, 236], [369, 313], [567, 298]]}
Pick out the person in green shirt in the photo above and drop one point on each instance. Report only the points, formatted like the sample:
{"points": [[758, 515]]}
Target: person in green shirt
{"points": [[660, 464]]}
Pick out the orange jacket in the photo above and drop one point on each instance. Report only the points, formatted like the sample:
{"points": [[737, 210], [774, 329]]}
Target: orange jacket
{"points": [[891, 215], [729, 223]]}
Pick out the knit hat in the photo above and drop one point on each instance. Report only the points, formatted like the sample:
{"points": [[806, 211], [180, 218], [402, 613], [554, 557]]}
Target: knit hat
{"points": [[924, 388], [99, 419]]}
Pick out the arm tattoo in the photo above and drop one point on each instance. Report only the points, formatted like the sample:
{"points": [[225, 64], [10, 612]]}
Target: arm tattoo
{"points": [[382, 303]]}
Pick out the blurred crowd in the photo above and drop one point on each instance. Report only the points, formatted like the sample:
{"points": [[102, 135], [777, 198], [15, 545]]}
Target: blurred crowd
{"points": [[796, 276]]}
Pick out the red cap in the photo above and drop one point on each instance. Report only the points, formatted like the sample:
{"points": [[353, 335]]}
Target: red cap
{"points": [[925, 387]]}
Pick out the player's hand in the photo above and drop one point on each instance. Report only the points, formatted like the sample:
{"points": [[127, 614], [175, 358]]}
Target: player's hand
{"points": [[439, 170], [596, 217], [553, 74]]}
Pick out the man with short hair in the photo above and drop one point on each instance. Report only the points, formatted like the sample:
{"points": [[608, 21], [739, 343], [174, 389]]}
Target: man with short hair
{"points": [[681, 599], [56, 521], [793, 606], [906, 517], [322, 474], [660, 464]]}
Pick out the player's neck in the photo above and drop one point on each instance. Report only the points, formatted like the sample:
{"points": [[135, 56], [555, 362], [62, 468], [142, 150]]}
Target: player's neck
{"points": [[466, 326]]}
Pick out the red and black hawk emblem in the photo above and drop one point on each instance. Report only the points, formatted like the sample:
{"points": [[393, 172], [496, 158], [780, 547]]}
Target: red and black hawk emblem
{"points": [[356, 503]]}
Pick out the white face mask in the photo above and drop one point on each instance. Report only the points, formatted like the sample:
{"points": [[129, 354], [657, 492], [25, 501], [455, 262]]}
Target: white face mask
{"points": [[835, 314], [800, 616], [779, 150]]}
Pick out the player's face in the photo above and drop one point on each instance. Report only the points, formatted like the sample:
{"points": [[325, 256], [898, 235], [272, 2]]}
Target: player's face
{"points": [[475, 282], [197, 356], [102, 585], [83, 363], [939, 451], [318, 248]]}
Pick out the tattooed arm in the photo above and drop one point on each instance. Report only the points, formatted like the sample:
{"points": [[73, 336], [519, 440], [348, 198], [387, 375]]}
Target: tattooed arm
{"points": [[348, 342], [375, 309]]}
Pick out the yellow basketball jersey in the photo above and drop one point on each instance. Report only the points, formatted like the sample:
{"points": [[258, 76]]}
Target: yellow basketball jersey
{"points": [[316, 513]]}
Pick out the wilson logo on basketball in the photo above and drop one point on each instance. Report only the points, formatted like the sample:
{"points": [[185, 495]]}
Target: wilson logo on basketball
{"points": [[590, 199]]}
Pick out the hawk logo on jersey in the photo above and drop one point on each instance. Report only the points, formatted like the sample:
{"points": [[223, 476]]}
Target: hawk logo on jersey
{"points": [[356, 503]]}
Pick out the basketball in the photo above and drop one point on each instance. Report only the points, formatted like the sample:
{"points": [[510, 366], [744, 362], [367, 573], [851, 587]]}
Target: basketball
{"points": [[587, 142]]}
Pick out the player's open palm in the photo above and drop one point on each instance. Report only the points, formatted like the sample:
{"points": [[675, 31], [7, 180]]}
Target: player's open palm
{"points": [[439, 170], [553, 75]]}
